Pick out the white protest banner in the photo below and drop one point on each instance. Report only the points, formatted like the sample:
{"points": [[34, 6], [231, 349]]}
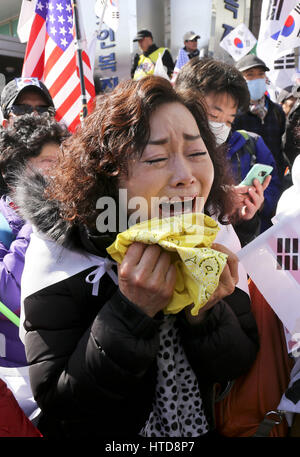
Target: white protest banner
{"points": [[290, 199], [288, 202], [272, 262], [159, 69], [108, 11], [238, 42]]}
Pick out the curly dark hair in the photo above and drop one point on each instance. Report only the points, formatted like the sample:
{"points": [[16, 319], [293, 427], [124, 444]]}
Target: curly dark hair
{"points": [[117, 132], [209, 75], [24, 139]]}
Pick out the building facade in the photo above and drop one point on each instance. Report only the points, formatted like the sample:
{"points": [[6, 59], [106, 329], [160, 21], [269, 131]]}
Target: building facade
{"points": [[168, 20], [11, 50]]}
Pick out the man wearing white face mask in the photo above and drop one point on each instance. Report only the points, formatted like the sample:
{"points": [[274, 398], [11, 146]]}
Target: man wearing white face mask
{"points": [[225, 92], [263, 116]]}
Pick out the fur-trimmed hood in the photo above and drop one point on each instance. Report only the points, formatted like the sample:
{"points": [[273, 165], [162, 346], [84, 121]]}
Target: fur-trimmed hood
{"points": [[34, 207], [57, 250]]}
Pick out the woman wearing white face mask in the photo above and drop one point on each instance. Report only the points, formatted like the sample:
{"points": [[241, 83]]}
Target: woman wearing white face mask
{"points": [[225, 91]]}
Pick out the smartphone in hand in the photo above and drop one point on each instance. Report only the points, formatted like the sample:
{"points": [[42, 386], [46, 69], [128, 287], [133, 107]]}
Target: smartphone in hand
{"points": [[258, 171]]}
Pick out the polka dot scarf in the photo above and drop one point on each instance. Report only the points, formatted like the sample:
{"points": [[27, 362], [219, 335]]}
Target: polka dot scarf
{"points": [[177, 407]]}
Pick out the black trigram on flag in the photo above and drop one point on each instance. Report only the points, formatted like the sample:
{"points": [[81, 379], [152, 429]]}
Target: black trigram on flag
{"points": [[285, 62], [297, 8], [287, 253], [274, 10], [115, 14]]}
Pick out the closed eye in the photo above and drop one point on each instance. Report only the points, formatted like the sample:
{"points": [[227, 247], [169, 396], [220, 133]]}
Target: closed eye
{"points": [[200, 153], [150, 161]]}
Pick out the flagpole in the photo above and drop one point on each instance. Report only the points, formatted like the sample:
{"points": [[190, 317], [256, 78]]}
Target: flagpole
{"points": [[79, 54], [102, 16]]}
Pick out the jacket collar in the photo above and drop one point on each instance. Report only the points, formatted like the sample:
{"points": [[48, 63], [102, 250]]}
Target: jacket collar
{"points": [[151, 49], [95, 244]]}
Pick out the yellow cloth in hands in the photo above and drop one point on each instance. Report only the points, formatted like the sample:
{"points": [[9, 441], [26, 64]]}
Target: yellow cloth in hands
{"points": [[189, 237]]}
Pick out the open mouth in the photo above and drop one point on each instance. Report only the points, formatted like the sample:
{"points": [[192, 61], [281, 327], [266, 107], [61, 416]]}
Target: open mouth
{"points": [[173, 208]]}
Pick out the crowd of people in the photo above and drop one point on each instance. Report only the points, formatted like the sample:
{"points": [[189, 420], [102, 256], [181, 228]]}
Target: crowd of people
{"points": [[97, 352]]}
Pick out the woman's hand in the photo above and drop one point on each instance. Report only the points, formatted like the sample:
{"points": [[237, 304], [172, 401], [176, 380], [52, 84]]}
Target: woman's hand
{"points": [[251, 198], [228, 280], [147, 277]]}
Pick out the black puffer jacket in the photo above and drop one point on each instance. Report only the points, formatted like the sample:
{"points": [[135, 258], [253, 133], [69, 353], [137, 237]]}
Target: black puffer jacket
{"points": [[93, 358]]}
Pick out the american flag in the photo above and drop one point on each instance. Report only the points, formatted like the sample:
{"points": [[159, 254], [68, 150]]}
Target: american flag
{"points": [[51, 56]]}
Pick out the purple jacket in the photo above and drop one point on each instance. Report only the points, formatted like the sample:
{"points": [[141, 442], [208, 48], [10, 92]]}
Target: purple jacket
{"points": [[12, 352]]}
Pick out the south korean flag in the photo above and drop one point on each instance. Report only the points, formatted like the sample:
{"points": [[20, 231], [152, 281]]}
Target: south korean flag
{"points": [[238, 42]]}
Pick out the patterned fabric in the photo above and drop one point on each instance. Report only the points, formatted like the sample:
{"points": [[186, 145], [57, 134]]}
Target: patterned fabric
{"points": [[259, 108], [182, 59], [177, 407], [194, 53]]}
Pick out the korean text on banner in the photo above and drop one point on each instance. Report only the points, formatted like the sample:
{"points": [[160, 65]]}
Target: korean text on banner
{"points": [[272, 262], [51, 56], [238, 42]]}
